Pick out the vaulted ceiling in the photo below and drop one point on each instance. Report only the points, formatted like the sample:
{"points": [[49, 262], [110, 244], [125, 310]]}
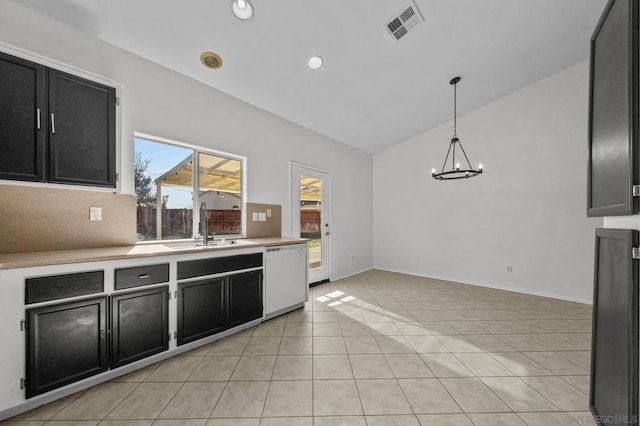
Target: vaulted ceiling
{"points": [[373, 92]]}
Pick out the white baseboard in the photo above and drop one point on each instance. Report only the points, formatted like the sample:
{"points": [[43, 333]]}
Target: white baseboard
{"points": [[511, 289], [350, 274]]}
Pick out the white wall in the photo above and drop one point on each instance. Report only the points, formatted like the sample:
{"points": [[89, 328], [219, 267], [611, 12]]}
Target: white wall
{"points": [[161, 102], [623, 222], [527, 210]]}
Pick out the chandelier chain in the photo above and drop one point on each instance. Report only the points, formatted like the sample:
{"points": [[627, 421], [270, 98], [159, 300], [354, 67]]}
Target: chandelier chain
{"points": [[455, 103]]}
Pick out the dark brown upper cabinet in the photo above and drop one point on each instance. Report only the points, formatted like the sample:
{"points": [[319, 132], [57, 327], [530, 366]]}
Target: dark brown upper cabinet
{"points": [[82, 131], [613, 112], [23, 126], [55, 127]]}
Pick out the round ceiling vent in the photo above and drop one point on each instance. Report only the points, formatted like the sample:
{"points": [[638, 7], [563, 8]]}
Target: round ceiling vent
{"points": [[211, 60]]}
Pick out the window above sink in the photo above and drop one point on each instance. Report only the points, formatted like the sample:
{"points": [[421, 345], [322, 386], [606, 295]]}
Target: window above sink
{"points": [[173, 179]]}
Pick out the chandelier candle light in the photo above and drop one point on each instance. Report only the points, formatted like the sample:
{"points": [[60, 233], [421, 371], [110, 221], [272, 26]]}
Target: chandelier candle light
{"points": [[456, 172]]}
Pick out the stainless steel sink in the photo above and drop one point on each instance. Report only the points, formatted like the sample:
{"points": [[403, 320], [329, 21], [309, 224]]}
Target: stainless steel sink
{"points": [[190, 245], [184, 245]]}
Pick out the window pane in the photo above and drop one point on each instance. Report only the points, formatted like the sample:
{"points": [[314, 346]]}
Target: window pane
{"points": [[220, 183], [311, 217], [164, 191]]}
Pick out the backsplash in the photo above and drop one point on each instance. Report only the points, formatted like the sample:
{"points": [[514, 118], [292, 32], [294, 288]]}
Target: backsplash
{"points": [[271, 226], [39, 219]]}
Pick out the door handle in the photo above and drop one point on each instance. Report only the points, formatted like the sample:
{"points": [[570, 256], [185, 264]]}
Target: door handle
{"points": [[53, 124]]}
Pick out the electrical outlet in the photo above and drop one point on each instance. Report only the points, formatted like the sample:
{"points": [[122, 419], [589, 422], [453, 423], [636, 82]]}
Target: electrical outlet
{"points": [[509, 268], [95, 214]]}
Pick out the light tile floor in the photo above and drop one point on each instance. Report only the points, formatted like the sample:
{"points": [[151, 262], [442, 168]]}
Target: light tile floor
{"points": [[378, 348]]}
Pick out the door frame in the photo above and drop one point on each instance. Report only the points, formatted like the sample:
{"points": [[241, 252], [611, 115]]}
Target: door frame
{"points": [[294, 211]]}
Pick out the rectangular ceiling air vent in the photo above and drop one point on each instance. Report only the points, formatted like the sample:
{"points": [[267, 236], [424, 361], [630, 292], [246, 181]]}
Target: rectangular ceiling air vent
{"points": [[406, 19]]}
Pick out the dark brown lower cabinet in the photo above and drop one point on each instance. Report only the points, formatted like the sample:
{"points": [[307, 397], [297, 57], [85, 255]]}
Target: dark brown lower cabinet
{"points": [[245, 297], [201, 309], [209, 306], [66, 342], [614, 352], [139, 325]]}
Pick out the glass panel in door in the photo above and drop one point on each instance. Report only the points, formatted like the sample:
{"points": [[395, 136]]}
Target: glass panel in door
{"points": [[311, 217]]}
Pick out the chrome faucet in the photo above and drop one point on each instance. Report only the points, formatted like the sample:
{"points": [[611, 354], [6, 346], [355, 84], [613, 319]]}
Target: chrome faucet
{"points": [[204, 223]]}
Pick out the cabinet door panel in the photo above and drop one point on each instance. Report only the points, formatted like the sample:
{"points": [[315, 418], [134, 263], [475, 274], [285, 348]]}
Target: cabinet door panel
{"points": [[245, 297], [65, 343], [23, 88], [614, 351], [201, 309], [613, 112], [82, 131], [139, 325]]}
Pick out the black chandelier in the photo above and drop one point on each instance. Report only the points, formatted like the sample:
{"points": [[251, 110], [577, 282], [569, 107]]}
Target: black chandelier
{"points": [[456, 172]]}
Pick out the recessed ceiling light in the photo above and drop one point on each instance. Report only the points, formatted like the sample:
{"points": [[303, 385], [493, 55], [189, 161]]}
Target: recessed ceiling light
{"points": [[242, 9], [315, 62], [211, 60]]}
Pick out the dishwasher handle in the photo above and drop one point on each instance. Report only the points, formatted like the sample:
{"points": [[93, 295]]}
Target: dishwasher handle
{"points": [[284, 251]]}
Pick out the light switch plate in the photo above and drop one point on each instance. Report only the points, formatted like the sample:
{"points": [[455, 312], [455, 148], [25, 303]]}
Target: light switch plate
{"points": [[268, 212], [262, 217], [95, 214], [255, 216]]}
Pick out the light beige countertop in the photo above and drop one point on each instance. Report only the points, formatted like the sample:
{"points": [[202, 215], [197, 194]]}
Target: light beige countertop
{"points": [[59, 257]]}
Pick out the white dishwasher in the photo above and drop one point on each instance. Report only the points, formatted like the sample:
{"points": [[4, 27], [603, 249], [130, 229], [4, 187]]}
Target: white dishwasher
{"points": [[286, 285]]}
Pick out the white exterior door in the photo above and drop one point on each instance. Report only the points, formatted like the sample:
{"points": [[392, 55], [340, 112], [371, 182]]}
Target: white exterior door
{"points": [[310, 216]]}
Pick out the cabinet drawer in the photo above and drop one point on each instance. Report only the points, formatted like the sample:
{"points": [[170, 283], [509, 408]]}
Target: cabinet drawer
{"points": [[218, 265], [56, 287], [141, 275]]}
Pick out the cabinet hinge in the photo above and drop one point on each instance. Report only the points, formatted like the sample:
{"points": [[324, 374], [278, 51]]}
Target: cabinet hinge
{"points": [[117, 177], [22, 383], [169, 295], [175, 334], [118, 100], [169, 336], [23, 325], [636, 190], [635, 252], [175, 294]]}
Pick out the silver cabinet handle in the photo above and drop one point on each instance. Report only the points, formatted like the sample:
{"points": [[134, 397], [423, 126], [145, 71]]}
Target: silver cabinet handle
{"points": [[38, 117], [53, 124]]}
